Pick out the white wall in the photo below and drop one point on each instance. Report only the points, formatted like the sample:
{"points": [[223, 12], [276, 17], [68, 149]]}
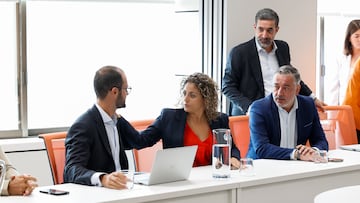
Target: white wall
{"points": [[28, 156], [298, 26]]}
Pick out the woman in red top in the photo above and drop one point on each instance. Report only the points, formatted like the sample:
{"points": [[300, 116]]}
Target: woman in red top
{"points": [[192, 124]]}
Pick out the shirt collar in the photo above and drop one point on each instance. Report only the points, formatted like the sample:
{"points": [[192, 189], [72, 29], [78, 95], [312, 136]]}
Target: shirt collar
{"points": [[106, 118]]}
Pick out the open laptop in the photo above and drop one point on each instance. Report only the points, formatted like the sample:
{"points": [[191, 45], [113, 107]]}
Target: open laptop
{"points": [[170, 165], [353, 147]]}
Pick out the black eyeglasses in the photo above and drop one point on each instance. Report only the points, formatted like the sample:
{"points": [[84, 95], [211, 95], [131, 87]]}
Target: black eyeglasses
{"points": [[128, 90]]}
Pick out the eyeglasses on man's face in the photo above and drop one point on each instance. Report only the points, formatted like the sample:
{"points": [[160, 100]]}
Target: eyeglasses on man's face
{"points": [[128, 90]]}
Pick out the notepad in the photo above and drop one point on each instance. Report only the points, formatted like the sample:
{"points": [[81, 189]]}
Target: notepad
{"points": [[170, 165]]}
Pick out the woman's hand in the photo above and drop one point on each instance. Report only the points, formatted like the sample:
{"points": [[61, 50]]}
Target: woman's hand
{"points": [[235, 163], [21, 185]]}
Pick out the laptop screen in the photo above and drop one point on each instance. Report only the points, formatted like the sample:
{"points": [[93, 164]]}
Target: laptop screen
{"points": [[167, 167]]}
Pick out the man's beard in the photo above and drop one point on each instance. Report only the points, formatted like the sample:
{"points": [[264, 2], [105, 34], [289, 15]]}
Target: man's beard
{"points": [[265, 42], [121, 106], [120, 103]]}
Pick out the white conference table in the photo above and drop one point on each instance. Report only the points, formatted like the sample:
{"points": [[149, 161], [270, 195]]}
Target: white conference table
{"points": [[275, 181], [343, 194], [298, 181]]}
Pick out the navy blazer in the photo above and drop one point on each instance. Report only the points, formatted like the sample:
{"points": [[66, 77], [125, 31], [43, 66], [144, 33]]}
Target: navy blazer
{"points": [[170, 127], [88, 149], [243, 82], [265, 130]]}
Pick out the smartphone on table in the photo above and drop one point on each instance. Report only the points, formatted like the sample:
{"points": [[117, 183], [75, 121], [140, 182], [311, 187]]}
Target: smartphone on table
{"points": [[54, 192], [335, 160]]}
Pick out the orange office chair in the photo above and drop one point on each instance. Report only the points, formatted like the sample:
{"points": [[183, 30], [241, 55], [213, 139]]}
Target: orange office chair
{"points": [[240, 131], [339, 125], [144, 158], [55, 147], [141, 124]]}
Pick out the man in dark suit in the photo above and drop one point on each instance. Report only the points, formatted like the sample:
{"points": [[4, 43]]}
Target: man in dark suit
{"points": [[283, 122], [251, 65], [94, 144]]}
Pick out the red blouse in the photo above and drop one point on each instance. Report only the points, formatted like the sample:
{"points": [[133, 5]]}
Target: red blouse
{"points": [[204, 151]]}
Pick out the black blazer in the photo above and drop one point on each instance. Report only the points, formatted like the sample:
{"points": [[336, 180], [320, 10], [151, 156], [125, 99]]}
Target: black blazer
{"points": [[170, 127], [88, 150], [243, 82]]}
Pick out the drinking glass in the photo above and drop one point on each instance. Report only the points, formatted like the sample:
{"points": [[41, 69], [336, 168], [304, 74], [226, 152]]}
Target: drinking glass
{"points": [[321, 156], [247, 167], [221, 153], [130, 178]]}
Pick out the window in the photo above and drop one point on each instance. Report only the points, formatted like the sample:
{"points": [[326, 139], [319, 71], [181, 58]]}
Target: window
{"points": [[8, 71], [150, 41], [67, 41]]}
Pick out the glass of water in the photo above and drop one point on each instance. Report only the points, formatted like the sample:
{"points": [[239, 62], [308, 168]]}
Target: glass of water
{"points": [[221, 153], [321, 156], [130, 178], [247, 167]]}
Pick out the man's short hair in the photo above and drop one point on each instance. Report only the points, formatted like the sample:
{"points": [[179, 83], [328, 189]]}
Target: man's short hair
{"points": [[267, 14], [106, 78], [290, 70]]}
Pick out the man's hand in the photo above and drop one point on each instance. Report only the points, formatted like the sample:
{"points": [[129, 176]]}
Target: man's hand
{"points": [[306, 153], [320, 105], [114, 180]]}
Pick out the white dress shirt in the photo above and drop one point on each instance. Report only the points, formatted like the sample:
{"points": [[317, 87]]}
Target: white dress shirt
{"points": [[113, 137], [288, 127], [269, 66]]}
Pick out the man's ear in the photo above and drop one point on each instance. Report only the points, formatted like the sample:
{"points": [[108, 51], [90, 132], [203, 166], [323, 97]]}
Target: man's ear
{"points": [[277, 29], [298, 87], [114, 90]]}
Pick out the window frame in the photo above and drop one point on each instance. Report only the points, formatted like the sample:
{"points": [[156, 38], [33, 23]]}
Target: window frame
{"points": [[211, 46]]}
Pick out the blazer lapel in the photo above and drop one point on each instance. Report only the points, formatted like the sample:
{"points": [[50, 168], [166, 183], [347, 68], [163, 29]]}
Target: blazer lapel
{"points": [[256, 66], [101, 129], [276, 119], [299, 122], [181, 118]]}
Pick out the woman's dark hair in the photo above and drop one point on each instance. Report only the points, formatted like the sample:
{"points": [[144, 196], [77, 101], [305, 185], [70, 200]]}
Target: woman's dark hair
{"points": [[209, 91], [352, 27]]}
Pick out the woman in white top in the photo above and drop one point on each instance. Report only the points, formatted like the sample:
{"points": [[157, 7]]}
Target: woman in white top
{"points": [[345, 64]]}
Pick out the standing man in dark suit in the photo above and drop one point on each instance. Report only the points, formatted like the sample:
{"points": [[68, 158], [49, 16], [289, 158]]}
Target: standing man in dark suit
{"points": [[251, 65], [283, 122], [94, 144]]}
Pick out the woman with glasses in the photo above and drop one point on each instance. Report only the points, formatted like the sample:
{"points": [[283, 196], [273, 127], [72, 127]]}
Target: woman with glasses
{"points": [[13, 183], [193, 123]]}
